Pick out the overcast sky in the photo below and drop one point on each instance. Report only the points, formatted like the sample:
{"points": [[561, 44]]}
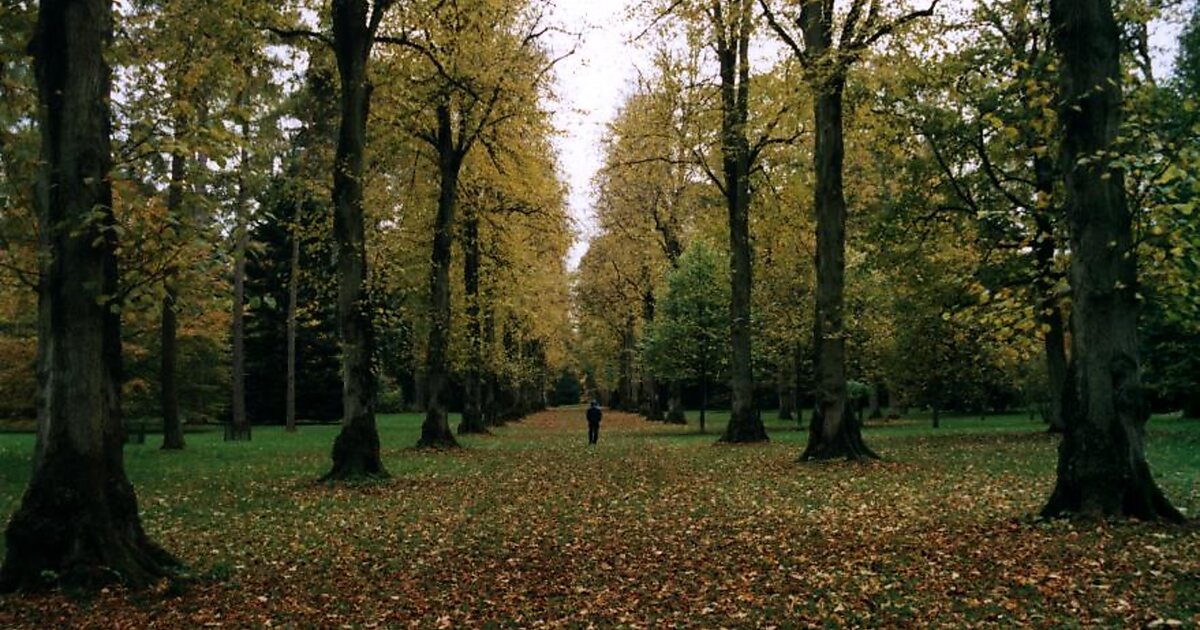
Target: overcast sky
{"points": [[593, 82]]}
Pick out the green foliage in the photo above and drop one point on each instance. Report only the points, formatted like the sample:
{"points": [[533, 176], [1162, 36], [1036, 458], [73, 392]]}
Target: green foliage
{"points": [[567, 389], [689, 338]]}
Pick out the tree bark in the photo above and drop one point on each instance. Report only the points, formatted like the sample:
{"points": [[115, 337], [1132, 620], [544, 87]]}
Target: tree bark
{"points": [[78, 522], [733, 46], [472, 415], [293, 297], [435, 431], [626, 383], [787, 393], [356, 448], [675, 411], [239, 425], [835, 431], [1102, 469], [874, 408], [1054, 337], [651, 403], [168, 355]]}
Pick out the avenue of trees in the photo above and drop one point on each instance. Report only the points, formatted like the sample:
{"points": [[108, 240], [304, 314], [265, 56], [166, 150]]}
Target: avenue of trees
{"points": [[260, 212], [941, 202]]}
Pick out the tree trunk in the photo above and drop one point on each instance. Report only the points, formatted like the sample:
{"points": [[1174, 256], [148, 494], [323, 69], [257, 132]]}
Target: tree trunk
{"points": [[835, 431], [168, 355], [78, 521], [937, 418], [435, 431], [787, 395], [239, 425], [293, 296], [1102, 469], [1045, 248], [703, 396], [624, 399], [745, 425], [490, 412], [356, 448], [419, 391], [651, 402], [874, 409], [168, 391], [472, 415], [675, 411]]}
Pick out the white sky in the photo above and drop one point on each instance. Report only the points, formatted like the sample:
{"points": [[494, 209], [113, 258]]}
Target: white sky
{"points": [[593, 83]]}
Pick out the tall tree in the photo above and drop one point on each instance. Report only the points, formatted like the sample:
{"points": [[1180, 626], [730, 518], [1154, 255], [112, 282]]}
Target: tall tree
{"points": [[1102, 469], [239, 423], [834, 431], [487, 67], [685, 341], [78, 522], [732, 22], [356, 449]]}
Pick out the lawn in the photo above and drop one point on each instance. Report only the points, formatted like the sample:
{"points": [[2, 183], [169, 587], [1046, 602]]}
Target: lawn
{"points": [[656, 527]]}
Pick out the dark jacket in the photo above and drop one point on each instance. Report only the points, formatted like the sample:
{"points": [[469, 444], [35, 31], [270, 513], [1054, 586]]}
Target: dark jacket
{"points": [[593, 415]]}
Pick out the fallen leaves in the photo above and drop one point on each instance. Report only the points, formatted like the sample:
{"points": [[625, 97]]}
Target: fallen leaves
{"points": [[652, 530]]}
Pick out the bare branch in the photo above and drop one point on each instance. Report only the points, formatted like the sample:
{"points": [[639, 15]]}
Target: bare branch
{"points": [[890, 27], [658, 18], [299, 33]]}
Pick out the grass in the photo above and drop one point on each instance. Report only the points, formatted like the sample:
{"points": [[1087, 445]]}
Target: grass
{"points": [[654, 527]]}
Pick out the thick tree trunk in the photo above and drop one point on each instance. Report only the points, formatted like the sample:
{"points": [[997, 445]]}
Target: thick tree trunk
{"points": [[835, 431], [356, 448], [168, 355], [745, 424], [1102, 469], [435, 431], [472, 415], [78, 521], [289, 421]]}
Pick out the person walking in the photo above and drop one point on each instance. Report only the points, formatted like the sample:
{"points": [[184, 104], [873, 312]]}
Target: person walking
{"points": [[593, 420]]}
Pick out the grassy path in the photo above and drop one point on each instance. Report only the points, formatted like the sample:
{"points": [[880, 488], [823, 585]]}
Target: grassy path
{"points": [[654, 527]]}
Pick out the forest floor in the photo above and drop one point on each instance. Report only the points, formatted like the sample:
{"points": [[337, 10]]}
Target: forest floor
{"points": [[654, 527]]}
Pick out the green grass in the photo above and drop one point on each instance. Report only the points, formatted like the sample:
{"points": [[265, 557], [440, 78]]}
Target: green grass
{"points": [[655, 527]]}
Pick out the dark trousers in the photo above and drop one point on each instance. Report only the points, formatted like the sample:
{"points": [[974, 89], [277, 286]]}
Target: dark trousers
{"points": [[593, 432]]}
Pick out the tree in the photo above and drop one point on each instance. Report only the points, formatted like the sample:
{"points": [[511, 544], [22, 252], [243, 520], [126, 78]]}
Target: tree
{"points": [[990, 128], [1102, 469], [648, 191], [356, 448], [732, 23], [834, 431], [78, 522], [685, 340], [727, 28], [482, 69]]}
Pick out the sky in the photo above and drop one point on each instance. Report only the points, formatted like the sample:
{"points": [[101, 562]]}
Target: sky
{"points": [[592, 83]]}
